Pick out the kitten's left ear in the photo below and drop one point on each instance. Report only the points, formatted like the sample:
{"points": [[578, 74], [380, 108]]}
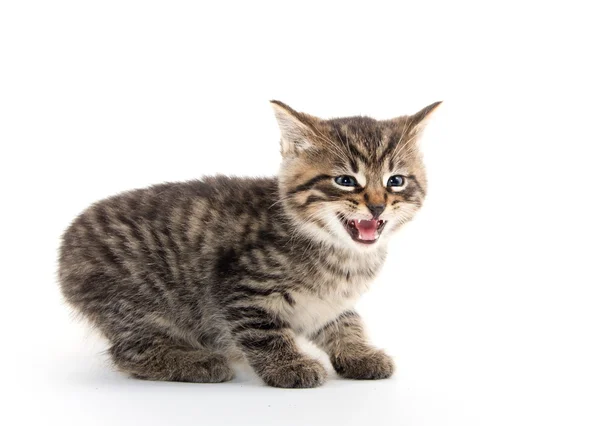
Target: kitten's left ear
{"points": [[418, 121], [297, 129]]}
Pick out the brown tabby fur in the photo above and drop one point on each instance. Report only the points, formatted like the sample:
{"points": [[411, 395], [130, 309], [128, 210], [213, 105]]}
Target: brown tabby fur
{"points": [[184, 278]]}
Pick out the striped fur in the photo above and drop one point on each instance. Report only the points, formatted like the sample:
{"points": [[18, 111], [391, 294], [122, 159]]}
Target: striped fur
{"points": [[184, 278]]}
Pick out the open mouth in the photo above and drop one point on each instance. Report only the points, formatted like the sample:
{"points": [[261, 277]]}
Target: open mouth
{"points": [[364, 231]]}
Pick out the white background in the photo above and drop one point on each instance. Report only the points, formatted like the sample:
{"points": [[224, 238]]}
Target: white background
{"points": [[490, 298]]}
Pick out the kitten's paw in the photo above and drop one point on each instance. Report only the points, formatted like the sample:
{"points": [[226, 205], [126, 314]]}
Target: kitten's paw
{"points": [[212, 369], [302, 373], [373, 365]]}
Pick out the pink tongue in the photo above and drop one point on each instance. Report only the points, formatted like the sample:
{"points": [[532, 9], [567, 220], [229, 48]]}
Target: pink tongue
{"points": [[367, 229]]}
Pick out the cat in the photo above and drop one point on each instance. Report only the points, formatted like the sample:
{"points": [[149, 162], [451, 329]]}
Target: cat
{"points": [[184, 279]]}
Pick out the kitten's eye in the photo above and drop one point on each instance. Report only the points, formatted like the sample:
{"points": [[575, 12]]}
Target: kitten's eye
{"points": [[397, 181], [345, 180]]}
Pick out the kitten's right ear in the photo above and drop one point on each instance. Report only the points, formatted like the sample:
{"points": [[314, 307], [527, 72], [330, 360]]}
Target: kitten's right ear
{"points": [[297, 129], [418, 121]]}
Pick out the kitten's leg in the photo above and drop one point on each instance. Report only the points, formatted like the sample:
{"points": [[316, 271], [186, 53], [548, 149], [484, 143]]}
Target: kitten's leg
{"points": [[345, 342], [270, 347], [157, 357]]}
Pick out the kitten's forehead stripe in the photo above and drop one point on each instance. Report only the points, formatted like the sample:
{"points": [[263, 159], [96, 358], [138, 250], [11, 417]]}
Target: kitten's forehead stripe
{"points": [[356, 152], [392, 144], [368, 141]]}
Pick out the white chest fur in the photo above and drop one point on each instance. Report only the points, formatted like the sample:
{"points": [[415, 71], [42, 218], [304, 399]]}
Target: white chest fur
{"points": [[312, 311], [313, 308]]}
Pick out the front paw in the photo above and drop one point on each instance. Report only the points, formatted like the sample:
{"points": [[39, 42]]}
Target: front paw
{"points": [[301, 373], [371, 365]]}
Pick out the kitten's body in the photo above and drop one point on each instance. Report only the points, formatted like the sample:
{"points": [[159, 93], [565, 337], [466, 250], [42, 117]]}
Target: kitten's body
{"points": [[183, 278]]}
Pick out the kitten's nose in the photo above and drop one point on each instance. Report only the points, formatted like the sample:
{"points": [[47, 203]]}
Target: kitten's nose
{"points": [[376, 209]]}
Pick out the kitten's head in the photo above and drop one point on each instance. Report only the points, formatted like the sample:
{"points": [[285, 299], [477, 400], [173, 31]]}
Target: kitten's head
{"points": [[351, 181]]}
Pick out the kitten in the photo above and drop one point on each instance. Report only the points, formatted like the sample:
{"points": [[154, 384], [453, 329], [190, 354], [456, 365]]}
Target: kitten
{"points": [[185, 278]]}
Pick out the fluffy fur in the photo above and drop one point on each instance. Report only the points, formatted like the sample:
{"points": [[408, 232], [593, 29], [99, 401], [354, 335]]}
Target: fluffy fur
{"points": [[185, 278]]}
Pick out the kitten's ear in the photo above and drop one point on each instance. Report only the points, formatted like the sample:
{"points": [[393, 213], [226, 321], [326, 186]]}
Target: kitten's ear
{"points": [[297, 129], [418, 121]]}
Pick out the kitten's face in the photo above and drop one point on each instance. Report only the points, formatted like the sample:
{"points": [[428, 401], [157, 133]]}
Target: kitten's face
{"points": [[351, 181]]}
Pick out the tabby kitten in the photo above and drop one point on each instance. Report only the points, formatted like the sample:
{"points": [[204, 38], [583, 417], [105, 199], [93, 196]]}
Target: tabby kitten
{"points": [[185, 278]]}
